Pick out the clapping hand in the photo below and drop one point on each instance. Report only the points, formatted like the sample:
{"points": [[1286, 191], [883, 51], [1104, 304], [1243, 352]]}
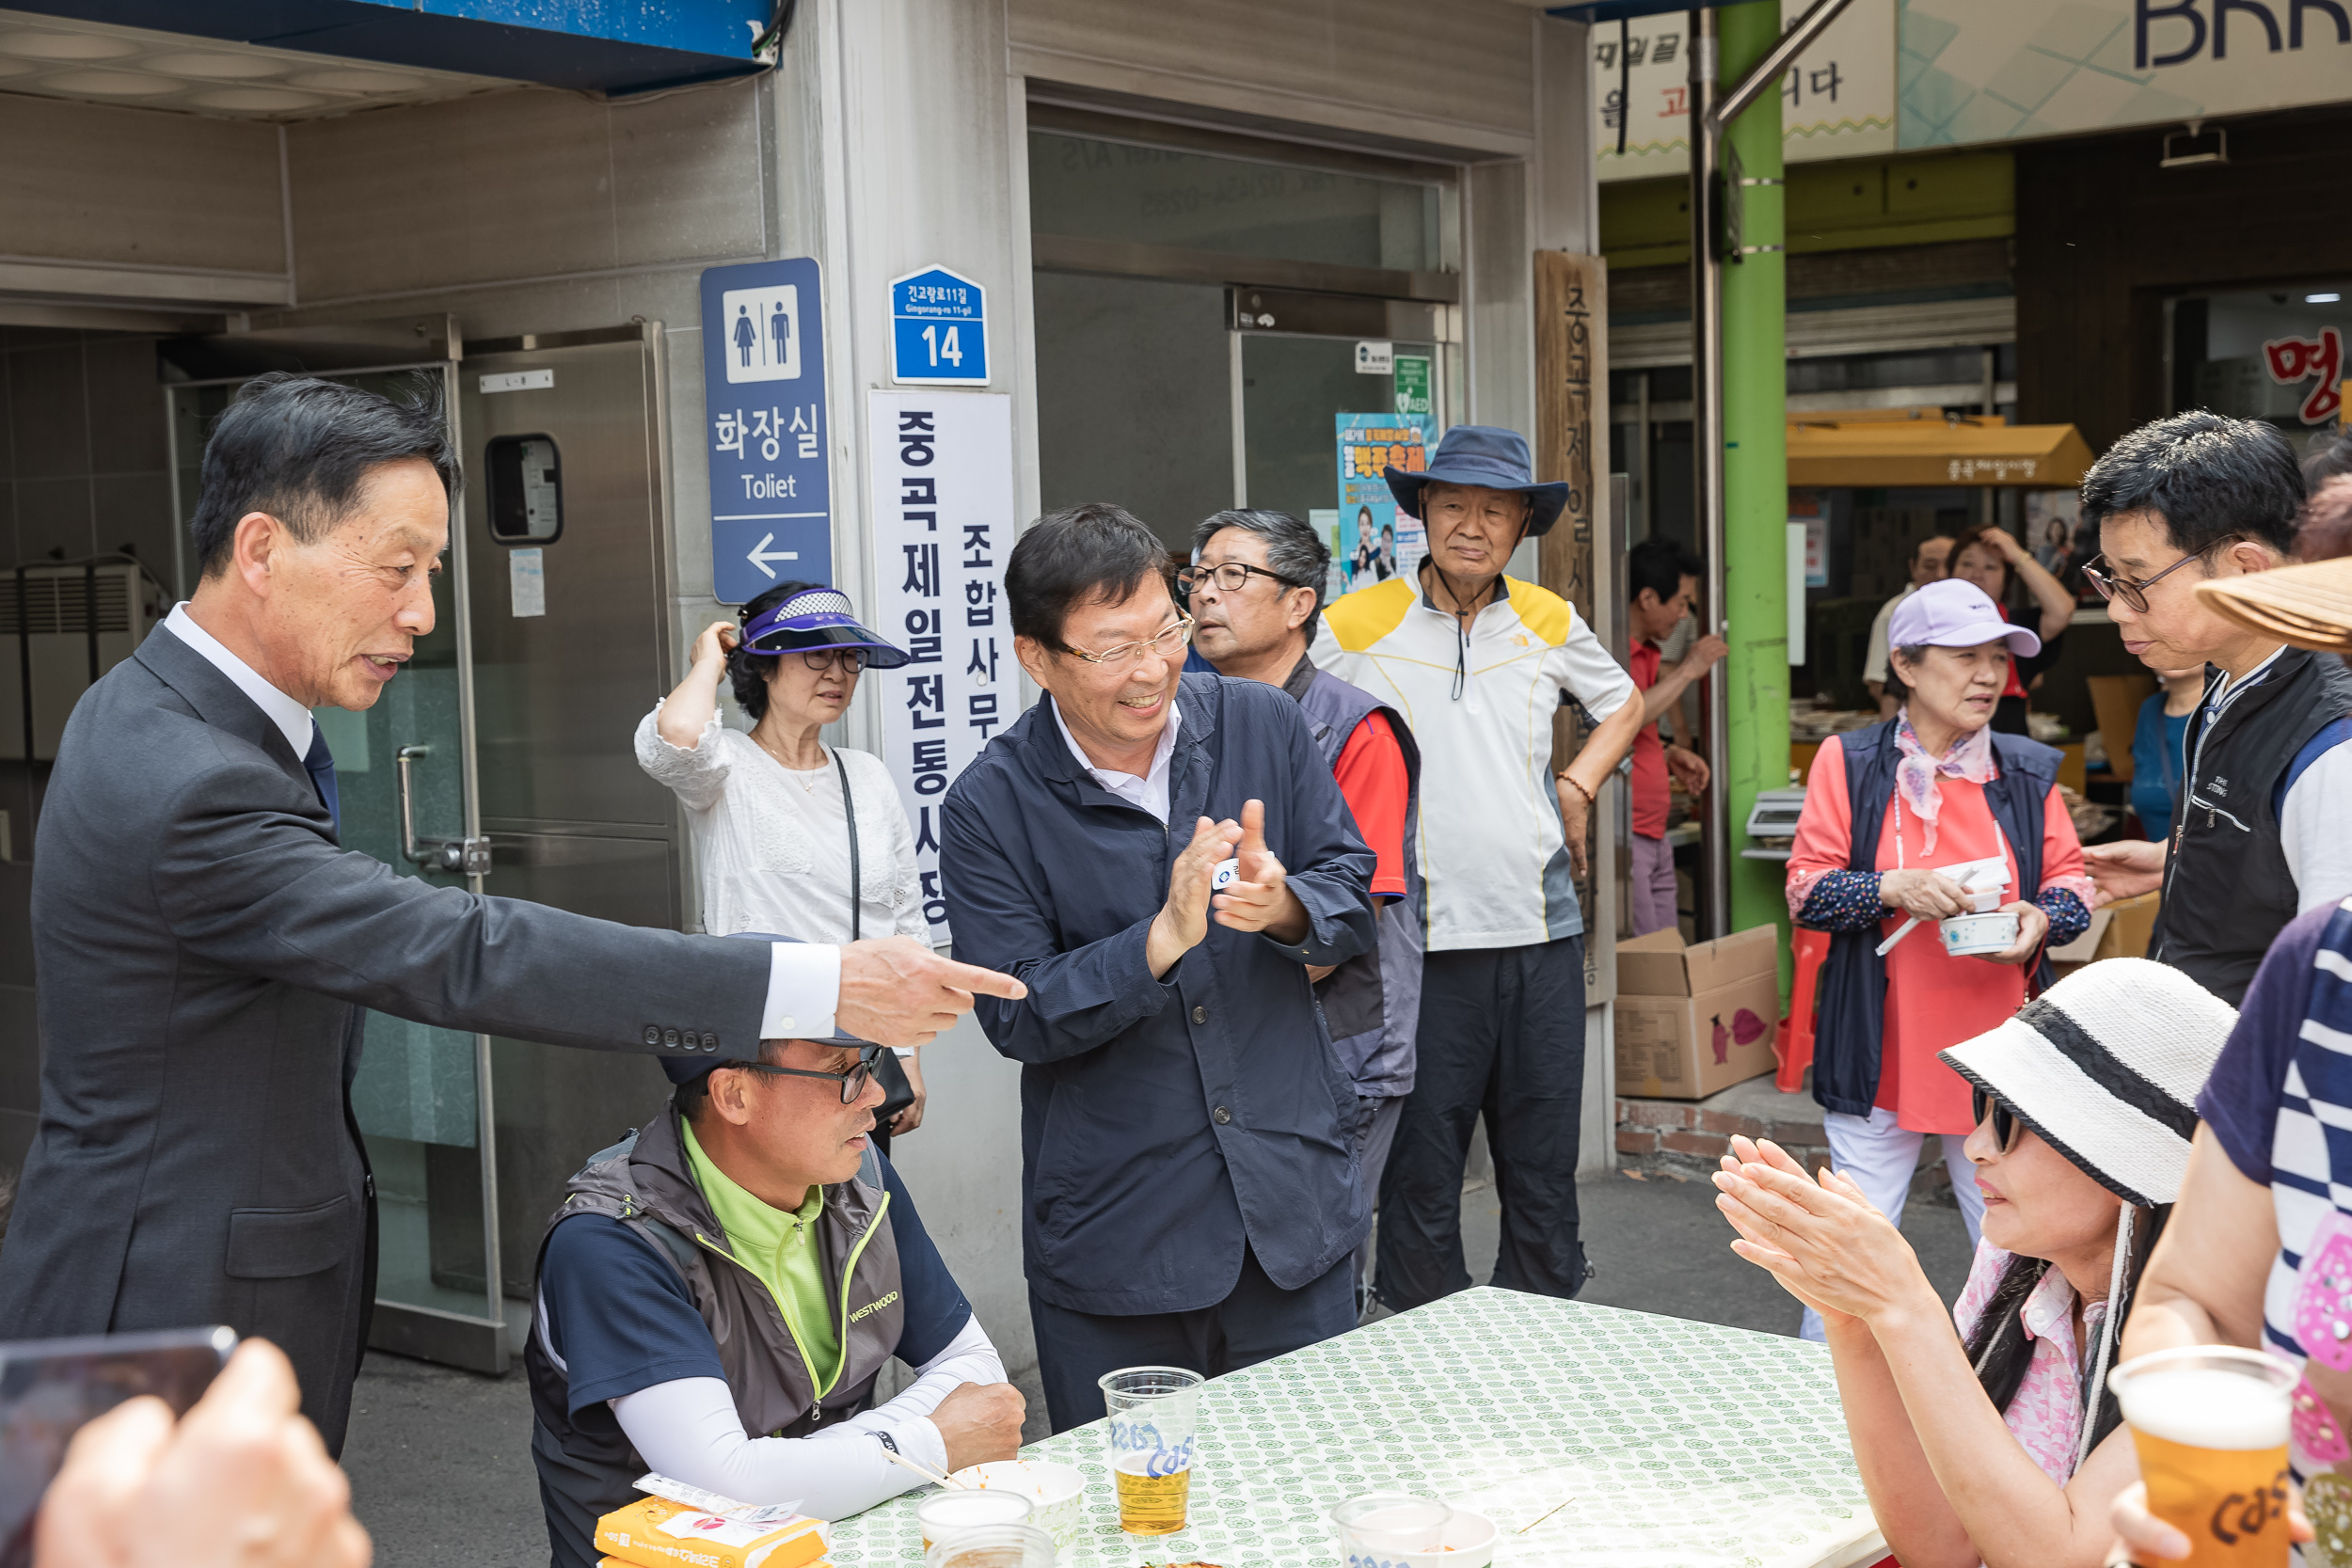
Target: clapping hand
{"points": [[1825, 1242], [1184, 920], [1259, 898]]}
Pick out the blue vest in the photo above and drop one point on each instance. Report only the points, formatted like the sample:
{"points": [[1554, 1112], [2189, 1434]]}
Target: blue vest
{"points": [[1849, 1039], [1371, 1003]]}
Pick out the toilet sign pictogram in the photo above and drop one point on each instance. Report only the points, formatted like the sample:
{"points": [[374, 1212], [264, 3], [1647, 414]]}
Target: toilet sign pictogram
{"points": [[765, 427], [938, 329]]}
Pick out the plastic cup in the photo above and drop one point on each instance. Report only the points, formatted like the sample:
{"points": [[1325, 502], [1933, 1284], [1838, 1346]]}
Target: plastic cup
{"points": [[1153, 1413], [950, 1512], [1376, 1525], [994, 1546], [2210, 1425]]}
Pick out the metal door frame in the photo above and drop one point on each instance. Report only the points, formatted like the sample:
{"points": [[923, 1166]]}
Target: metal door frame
{"points": [[430, 1333]]}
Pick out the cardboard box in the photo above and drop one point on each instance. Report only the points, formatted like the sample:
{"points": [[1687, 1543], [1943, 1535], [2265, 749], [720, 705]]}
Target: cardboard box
{"points": [[1694, 1020], [2119, 931]]}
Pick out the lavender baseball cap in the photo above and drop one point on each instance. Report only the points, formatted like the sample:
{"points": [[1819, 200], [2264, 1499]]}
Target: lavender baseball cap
{"points": [[1955, 613]]}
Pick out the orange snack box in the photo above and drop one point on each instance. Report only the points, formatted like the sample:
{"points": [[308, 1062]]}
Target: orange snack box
{"points": [[654, 1533]]}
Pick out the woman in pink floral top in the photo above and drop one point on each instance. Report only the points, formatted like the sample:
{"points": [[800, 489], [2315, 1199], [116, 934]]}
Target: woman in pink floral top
{"points": [[1978, 1447]]}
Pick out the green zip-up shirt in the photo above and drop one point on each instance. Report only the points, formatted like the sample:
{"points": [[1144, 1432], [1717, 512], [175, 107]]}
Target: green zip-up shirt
{"points": [[779, 1246]]}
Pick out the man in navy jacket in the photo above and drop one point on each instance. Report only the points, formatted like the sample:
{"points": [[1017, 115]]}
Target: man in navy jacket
{"points": [[1189, 1180]]}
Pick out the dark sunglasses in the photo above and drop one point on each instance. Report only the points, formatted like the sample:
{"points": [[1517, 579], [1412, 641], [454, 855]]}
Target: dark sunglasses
{"points": [[2005, 1121], [853, 1082]]}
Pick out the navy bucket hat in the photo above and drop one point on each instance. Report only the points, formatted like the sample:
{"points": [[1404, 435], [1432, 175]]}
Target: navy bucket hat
{"points": [[1489, 455], [685, 1069]]}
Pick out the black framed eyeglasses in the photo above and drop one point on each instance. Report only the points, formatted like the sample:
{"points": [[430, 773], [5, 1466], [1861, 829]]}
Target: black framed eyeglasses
{"points": [[1231, 575], [2005, 1121], [2133, 592], [853, 1082]]}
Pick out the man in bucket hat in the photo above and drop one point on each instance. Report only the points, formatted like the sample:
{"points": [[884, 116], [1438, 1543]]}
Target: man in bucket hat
{"points": [[1480, 662]]}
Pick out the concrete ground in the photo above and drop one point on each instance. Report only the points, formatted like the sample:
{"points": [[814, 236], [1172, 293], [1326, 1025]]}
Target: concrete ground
{"points": [[440, 1460]]}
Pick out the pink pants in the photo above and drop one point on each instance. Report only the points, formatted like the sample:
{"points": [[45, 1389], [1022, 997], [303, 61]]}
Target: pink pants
{"points": [[1653, 885]]}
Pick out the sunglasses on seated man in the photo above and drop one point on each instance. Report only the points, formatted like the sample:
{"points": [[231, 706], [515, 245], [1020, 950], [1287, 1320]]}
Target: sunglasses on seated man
{"points": [[853, 1082]]}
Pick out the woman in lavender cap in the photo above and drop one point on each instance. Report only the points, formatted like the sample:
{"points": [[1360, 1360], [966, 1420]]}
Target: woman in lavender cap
{"points": [[1892, 815]]}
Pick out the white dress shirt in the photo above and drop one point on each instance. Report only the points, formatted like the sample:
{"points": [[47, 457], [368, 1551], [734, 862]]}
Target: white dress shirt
{"points": [[803, 979], [1149, 791]]}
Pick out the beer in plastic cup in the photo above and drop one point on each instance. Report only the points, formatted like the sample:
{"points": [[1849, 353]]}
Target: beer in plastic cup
{"points": [[1376, 1525], [2210, 1425], [993, 1546], [1152, 1411]]}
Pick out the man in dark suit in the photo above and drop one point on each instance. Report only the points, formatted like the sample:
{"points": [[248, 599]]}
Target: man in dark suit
{"points": [[203, 949]]}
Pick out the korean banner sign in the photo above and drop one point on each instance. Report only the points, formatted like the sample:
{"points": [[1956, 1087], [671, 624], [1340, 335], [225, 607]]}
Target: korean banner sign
{"points": [[941, 468]]}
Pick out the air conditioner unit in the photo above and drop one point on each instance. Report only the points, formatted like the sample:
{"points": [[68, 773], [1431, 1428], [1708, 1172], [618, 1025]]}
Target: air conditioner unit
{"points": [[61, 627]]}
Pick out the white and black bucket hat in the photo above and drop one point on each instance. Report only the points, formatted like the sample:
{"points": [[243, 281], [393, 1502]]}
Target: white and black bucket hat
{"points": [[2104, 1067]]}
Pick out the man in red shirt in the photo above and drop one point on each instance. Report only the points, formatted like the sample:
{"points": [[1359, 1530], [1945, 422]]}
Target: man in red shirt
{"points": [[1663, 580], [1255, 591]]}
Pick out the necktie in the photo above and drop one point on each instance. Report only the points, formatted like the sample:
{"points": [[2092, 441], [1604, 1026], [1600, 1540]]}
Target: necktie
{"points": [[321, 763]]}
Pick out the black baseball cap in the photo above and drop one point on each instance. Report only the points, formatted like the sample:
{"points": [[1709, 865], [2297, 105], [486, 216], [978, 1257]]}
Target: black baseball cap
{"points": [[686, 1070]]}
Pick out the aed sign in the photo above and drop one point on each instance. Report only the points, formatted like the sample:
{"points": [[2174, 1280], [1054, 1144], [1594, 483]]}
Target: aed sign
{"points": [[938, 330], [764, 427]]}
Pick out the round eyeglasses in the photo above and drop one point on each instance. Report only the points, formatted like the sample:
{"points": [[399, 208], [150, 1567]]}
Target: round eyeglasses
{"points": [[1167, 644], [1231, 576], [853, 1082], [2134, 593]]}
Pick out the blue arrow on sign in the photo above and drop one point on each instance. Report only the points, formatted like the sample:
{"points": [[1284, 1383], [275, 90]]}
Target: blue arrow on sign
{"points": [[938, 329]]}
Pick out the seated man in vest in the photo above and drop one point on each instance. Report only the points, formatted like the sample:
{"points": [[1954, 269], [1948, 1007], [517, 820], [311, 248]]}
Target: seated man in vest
{"points": [[718, 1294]]}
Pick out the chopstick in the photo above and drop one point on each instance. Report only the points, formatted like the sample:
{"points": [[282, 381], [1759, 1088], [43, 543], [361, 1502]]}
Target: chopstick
{"points": [[1901, 931], [924, 1470]]}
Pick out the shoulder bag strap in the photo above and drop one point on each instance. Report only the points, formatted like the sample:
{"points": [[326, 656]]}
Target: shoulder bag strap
{"points": [[857, 883]]}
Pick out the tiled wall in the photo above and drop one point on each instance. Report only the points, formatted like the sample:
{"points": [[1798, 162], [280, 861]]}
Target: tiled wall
{"points": [[83, 461]]}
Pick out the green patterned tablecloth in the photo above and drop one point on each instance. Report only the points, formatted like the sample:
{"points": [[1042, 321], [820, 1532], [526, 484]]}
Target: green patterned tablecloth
{"points": [[1615, 1439]]}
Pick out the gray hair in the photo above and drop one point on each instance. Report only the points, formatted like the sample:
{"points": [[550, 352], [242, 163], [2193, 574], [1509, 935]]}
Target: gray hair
{"points": [[1293, 550]]}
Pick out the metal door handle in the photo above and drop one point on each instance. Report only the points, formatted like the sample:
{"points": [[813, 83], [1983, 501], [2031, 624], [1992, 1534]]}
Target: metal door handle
{"points": [[464, 856]]}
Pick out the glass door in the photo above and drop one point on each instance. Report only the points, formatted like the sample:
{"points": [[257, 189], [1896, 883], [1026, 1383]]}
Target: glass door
{"points": [[1292, 389], [404, 769]]}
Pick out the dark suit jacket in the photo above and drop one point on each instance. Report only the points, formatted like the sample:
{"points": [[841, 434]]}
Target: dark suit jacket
{"points": [[202, 951]]}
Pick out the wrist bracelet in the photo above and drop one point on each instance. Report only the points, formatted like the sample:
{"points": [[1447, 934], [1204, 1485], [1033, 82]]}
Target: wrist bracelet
{"points": [[1570, 780]]}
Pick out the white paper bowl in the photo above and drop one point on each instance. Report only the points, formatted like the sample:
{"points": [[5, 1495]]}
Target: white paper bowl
{"points": [[1468, 1541], [1966, 935], [1056, 1491]]}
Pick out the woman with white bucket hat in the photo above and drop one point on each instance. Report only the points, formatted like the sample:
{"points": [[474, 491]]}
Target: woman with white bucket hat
{"points": [[1980, 1448]]}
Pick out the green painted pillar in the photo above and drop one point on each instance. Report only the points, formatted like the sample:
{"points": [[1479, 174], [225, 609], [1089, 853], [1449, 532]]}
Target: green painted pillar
{"points": [[1756, 470]]}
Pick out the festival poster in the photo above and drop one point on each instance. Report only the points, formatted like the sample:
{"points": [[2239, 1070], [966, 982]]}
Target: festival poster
{"points": [[1377, 539]]}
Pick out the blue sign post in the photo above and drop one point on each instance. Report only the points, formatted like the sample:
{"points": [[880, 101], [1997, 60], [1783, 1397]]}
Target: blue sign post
{"points": [[938, 330], [764, 427]]}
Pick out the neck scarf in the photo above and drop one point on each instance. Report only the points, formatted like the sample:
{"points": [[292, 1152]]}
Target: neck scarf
{"points": [[1915, 775]]}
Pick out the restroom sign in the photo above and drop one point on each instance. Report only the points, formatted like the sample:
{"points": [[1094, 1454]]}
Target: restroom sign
{"points": [[938, 329], [765, 427]]}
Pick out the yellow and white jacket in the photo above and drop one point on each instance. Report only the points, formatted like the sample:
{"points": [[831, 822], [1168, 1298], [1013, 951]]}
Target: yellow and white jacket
{"points": [[1492, 853]]}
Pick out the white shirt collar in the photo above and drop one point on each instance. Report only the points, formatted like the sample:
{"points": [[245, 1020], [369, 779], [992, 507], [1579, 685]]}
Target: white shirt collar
{"points": [[292, 719], [1150, 792], [2229, 689]]}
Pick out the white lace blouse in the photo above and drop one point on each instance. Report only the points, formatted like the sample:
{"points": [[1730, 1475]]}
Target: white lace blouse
{"points": [[773, 842]]}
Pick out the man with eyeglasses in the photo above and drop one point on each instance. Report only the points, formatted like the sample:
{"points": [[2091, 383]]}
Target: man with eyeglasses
{"points": [[1255, 593], [719, 1291], [2260, 832], [1482, 663], [1164, 860]]}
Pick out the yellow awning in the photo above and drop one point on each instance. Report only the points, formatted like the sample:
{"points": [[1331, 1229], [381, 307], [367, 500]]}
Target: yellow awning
{"points": [[1883, 448]]}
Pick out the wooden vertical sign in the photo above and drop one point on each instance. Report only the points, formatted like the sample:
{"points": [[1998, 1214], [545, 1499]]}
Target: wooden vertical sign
{"points": [[1572, 444]]}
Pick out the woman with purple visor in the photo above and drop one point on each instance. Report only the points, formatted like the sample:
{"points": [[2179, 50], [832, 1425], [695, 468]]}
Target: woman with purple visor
{"points": [[793, 837]]}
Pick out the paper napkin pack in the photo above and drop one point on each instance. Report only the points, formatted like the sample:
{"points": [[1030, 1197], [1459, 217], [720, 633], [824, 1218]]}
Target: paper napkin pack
{"points": [[656, 1532]]}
